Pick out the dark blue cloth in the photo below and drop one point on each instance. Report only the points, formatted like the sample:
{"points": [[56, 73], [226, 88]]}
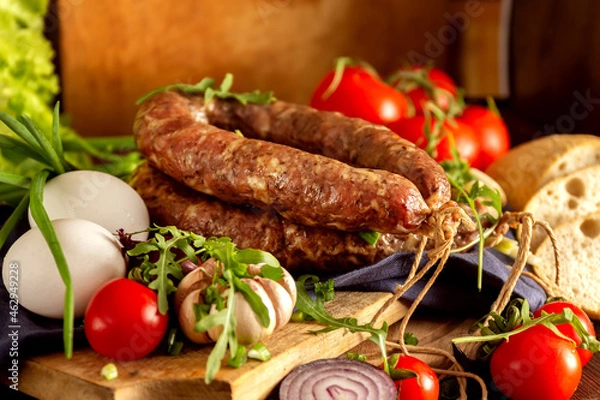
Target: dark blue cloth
{"points": [[455, 290]]}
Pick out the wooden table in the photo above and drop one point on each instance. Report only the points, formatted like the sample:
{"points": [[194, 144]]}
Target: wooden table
{"points": [[437, 331]]}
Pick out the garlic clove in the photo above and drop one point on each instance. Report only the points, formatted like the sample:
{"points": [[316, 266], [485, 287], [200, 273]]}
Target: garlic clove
{"points": [[187, 318], [199, 278], [280, 298], [288, 282], [261, 292]]}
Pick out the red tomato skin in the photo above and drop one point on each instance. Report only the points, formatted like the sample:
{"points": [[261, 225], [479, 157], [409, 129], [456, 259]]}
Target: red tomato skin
{"points": [[567, 329], [492, 134], [412, 129], [445, 94], [360, 95], [427, 387], [536, 364], [122, 320]]}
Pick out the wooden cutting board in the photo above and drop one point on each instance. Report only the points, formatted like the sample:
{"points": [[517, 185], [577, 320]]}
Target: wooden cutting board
{"points": [[161, 377]]}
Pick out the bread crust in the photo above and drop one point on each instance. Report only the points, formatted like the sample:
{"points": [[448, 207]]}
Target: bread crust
{"points": [[529, 166]]}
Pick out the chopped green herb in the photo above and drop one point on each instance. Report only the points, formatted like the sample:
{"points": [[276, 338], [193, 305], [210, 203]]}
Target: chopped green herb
{"points": [[356, 356], [371, 237], [410, 339], [174, 344], [259, 352], [325, 290], [109, 372]]}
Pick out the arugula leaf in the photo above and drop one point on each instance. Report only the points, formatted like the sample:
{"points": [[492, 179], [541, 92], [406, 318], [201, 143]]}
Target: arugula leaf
{"points": [[459, 175], [226, 319], [205, 86], [165, 269], [316, 309], [254, 300], [253, 256], [197, 88]]}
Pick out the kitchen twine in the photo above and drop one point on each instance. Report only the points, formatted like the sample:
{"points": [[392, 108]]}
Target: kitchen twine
{"points": [[446, 224]]}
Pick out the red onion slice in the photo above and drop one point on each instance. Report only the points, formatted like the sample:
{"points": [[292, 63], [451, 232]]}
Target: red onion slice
{"points": [[337, 379]]}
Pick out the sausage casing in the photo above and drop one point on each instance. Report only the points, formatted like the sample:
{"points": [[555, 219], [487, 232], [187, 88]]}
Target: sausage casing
{"points": [[297, 247], [176, 134], [350, 140]]}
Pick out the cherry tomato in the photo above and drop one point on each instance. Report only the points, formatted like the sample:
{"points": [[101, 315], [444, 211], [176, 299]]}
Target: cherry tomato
{"points": [[567, 329], [425, 386], [491, 131], [413, 130], [536, 364], [122, 320], [360, 94], [426, 84]]}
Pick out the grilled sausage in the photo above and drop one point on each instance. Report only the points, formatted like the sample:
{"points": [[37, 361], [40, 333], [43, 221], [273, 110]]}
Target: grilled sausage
{"points": [[176, 134], [350, 140], [298, 248]]}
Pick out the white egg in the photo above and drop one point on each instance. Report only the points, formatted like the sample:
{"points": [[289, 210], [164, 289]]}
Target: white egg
{"points": [[98, 197], [93, 255]]}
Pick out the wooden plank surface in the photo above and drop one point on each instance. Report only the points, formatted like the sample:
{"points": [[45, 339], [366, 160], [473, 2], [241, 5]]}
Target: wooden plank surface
{"points": [[160, 377], [434, 331]]}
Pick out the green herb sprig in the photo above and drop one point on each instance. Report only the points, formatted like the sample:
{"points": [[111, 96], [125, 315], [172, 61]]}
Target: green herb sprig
{"points": [[315, 308], [40, 216], [459, 175], [205, 87], [517, 319], [29, 143], [169, 247], [50, 153]]}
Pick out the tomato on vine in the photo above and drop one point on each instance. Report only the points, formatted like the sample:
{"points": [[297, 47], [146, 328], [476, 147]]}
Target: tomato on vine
{"points": [[555, 307], [536, 364], [421, 84], [439, 142], [414, 379], [356, 91]]}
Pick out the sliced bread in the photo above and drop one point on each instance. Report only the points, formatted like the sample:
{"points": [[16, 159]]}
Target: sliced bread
{"points": [[565, 198], [527, 167], [579, 244]]}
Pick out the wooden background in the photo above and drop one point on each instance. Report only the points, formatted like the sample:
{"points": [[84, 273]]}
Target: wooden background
{"points": [[537, 57], [112, 52]]}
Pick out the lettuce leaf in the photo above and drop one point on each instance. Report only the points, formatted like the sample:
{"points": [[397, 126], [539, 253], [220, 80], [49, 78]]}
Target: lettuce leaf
{"points": [[28, 80]]}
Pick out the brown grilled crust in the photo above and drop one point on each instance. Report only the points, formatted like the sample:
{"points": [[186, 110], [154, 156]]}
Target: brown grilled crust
{"points": [[350, 140], [176, 133], [297, 247]]}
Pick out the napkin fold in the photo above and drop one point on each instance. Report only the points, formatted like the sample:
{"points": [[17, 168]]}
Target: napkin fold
{"points": [[455, 289]]}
